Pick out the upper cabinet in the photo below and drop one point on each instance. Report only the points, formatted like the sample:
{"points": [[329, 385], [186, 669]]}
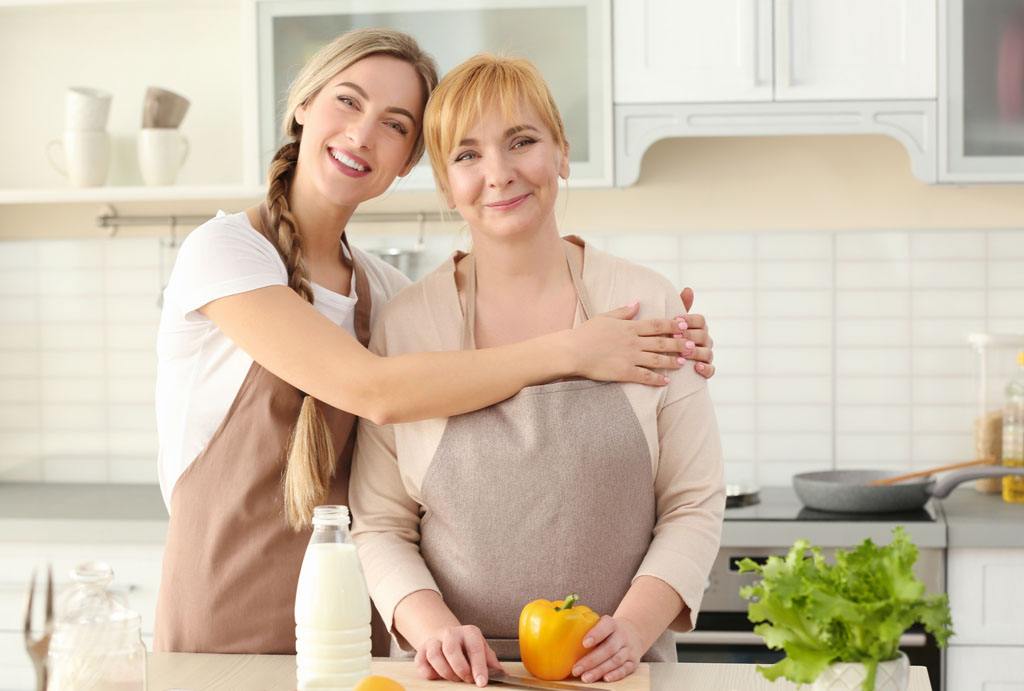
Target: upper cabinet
{"points": [[693, 51], [982, 104]]}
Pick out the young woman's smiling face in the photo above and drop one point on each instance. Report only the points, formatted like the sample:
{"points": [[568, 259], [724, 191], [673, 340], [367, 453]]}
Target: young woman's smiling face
{"points": [[359, 130], [503, 174]]}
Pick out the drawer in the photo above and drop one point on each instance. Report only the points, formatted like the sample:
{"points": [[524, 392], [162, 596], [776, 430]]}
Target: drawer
{"points": [[984, 668], [986, 596], [136, 575]]}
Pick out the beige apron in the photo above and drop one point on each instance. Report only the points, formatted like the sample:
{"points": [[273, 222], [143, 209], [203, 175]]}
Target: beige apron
{"points": [[231, 561], [547, 493]]}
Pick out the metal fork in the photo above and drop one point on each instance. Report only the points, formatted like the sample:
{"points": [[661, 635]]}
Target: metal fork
{"points": [[38, 647]]}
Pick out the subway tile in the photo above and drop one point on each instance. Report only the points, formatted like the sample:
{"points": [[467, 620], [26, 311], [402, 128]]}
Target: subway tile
{"points": [[1006, 274], [948, 274], [738, 447], [773, 333], [62, 336], [74, 390], [63, 254], [780, 448], [134, 444], [794, 274], [18, 254], [735, 417], [952, 361], [19, 337], [948, 245], [133, 470], [1006, 303], [943, 390], [136, 417], [18, 310], [71, 308], [18, 282], [734, 360], [132, 252], [740, 473], [86, 469], [717, 247], [1004, 325], [727, 388], [74, 417], [71, 282], [1005, 244], [733, 332], [796, 361], [777, 418], [20, 443], [873, 362], [794, 303], [20, 469], [716, 275], [865, 450], [872, 303], [780, 474], [139, 309], [63, 444], [131, 336], [944, 419], [794, 246], [944, 332], [723, 303], [19, 363], [131, 390], [873, 418], [872, 275], [644, 247], [71, 363], [19, 416], [866, 333], [19, 389], [872, 245], [131, 363], [131, 281], [948, 303], [940, 449], [794, 389], [873, 390]]}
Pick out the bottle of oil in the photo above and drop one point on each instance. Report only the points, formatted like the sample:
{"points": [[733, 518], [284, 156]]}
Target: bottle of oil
{"points": [[1013, 435]]}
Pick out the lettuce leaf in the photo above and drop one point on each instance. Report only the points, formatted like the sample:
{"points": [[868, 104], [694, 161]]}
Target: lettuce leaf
{"points": [[853, 610]]}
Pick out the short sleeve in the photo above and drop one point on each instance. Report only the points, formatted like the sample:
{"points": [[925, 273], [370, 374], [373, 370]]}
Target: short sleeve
{"points": [[224, 256]]}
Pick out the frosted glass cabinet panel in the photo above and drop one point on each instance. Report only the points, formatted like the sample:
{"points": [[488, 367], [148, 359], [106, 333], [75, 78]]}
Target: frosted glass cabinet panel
{"points": [[568, 40], [984, 100]]}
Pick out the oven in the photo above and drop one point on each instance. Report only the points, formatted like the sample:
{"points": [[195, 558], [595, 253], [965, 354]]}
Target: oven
{"points": [[724, 635]]}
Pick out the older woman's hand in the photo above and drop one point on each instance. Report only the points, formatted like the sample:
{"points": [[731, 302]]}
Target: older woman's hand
{"points": [[696, 333], [616, 651], [457, 653]]}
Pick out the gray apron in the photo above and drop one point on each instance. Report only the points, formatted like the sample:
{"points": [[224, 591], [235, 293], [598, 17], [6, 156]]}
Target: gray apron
{"points": [[547, 493]]}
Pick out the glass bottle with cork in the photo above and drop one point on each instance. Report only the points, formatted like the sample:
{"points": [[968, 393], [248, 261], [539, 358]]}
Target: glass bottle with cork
{"points": [[1013, 434]]}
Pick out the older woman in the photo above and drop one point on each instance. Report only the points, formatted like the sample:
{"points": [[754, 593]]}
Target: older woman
{"points": [[613, 491]]}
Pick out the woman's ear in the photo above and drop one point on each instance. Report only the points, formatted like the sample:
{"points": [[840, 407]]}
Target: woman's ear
{"points": [[300, 114], [563, 164], [448, 199]]}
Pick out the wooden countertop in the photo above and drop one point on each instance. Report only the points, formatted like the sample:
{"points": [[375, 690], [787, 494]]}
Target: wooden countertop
{"points": [[197, 672]]}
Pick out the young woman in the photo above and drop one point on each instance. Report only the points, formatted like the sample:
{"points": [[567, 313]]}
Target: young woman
{"points": [[612, 491], [262, 365]]}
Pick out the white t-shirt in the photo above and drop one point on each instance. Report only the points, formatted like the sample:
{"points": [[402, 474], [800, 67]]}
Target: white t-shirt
{"points": [[199, 369]]}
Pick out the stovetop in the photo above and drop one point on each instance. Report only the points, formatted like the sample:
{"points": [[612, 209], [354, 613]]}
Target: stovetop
{"points": [[782, 504]]}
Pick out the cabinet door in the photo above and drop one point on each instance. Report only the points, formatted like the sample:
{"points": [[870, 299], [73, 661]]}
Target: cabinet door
{"points": [[690, 51], [855, 50], [986, 597], [970, 668]]}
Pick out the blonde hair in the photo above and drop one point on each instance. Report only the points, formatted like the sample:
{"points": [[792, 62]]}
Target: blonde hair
{"points": [[467, 92], [311, 454]]}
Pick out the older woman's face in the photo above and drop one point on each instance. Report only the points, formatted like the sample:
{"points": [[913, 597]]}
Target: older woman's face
{"points": [[503, 175], [359, 130]]}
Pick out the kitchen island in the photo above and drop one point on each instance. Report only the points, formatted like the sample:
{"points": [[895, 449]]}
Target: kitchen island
{"points": [[277, 673]]}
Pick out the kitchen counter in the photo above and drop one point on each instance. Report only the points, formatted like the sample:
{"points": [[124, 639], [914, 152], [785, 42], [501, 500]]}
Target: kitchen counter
{"points": [[272, 672], [977, 520], [48, 512]]}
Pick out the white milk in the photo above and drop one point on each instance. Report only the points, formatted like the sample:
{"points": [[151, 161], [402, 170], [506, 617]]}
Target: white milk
{"points": [[332, 617]]}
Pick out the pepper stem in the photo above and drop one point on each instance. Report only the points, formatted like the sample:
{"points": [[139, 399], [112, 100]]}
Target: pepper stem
{"points": [[568, 602]]}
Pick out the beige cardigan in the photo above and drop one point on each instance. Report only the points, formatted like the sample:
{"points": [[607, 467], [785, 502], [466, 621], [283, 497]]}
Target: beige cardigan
{"points": [[678, 422]]}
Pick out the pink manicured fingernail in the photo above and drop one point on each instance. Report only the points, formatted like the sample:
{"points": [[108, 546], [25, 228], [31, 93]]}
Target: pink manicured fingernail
{"points": [[681, 361], [665, 379], [677, 335], [576, 670], [689, 345], [700, 367], [481, 680]]}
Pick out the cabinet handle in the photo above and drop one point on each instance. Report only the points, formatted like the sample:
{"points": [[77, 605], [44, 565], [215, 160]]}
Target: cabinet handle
{"points": [[784, 43]]}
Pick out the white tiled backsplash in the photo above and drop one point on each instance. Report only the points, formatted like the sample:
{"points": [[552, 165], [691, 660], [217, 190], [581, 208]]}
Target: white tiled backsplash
{"points": [[834, 349]]}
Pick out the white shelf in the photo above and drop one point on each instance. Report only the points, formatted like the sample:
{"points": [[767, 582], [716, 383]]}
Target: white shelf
{"points": [[110, 195]]}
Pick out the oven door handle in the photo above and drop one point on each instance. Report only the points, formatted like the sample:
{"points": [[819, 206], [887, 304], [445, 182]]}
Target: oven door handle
{"points": [[907, 640]]}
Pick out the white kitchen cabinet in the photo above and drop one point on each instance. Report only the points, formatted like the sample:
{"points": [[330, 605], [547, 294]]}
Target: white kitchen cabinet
{"points": [[986, 596], [844, 50], [990, 668], [981, 82], [690, 51]]}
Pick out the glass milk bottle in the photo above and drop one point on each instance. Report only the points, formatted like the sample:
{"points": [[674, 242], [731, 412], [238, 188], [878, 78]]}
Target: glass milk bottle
{"points": [[332, 607], [97, 643]]}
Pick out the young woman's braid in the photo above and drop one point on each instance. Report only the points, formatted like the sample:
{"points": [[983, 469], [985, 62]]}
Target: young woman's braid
{"points": [[283, 224]]}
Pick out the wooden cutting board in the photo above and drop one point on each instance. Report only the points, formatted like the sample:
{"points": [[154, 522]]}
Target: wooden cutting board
{"points": [[405, 674]]}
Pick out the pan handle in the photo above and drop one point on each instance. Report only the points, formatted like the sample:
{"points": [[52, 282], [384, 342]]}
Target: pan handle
{"points": [[942, 488]]}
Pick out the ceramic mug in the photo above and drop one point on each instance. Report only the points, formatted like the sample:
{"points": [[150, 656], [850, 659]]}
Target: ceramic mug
{"points": [[84, 157], [162, 152], [86, 109]]}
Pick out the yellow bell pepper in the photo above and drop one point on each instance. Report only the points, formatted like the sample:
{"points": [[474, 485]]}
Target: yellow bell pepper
{"points": [[551, 636]]}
